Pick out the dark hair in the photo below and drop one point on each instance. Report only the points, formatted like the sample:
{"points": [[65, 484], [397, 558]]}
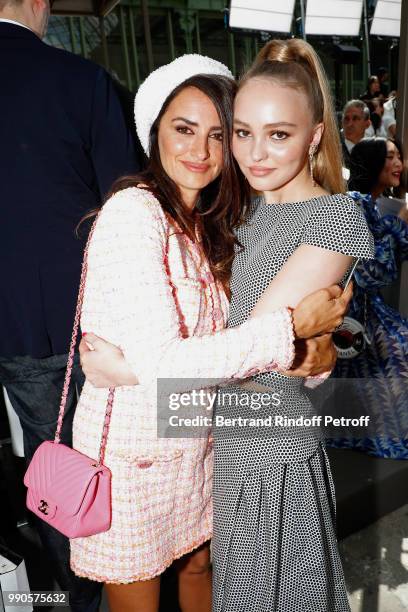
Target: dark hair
{"points": [[367, 161], [372, 79], [371, 103], [382, 70], [222, 203], [375, 121], [375, 118]]}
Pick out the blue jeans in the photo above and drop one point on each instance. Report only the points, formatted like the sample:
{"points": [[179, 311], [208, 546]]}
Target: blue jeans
{"points": [[34, 387]]}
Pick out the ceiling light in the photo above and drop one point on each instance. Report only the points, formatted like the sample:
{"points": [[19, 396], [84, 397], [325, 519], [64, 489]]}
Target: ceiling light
{"points": [[387, 18], [334, 17], [260, 16]]}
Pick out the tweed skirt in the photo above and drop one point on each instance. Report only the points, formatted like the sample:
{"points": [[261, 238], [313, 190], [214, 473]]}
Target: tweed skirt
{"points": [[161, 492]]}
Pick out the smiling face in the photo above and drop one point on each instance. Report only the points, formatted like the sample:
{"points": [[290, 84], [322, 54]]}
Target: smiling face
{"points": [[391, 173], [190, 143], [273, 131], [378, 107]]}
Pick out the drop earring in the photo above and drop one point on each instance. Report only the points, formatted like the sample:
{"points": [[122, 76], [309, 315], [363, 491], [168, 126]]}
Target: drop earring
{"points": [[312, 151]]}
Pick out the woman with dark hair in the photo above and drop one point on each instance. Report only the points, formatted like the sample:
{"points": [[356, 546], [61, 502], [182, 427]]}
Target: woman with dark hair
{"points": [[380, 363], [159, 261], [382, 124], [373, 89], [376, 166]]}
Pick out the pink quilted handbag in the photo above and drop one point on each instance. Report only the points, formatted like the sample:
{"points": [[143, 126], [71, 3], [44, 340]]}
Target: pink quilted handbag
{"points": [[67, 489]]}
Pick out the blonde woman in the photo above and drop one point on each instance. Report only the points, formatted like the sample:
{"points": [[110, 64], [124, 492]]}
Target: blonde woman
{"points": [[274, 536]]}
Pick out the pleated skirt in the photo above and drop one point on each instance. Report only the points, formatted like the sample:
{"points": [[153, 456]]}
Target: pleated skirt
{"points": [[274, 542]]}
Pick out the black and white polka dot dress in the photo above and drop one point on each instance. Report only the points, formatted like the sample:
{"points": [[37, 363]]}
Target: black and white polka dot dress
{"points": [[274, 545]]}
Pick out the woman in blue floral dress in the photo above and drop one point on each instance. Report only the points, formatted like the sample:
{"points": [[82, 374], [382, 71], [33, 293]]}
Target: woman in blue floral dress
{"points": [[381, 390]]}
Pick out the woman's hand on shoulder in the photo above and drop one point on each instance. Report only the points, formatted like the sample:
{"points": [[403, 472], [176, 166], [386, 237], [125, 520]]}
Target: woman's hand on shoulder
{"points": [[321, 312], [104, 364]]}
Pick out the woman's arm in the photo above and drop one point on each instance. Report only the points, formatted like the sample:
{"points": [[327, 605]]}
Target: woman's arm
{"points": [[334, 235], [309, 268], [390, 248], [403, 213], [132, 234], [130, 241], [104, 364]]}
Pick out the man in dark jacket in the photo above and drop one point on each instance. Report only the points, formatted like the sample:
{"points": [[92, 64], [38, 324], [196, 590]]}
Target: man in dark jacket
{"points": [[355, 121], [63, 142]]}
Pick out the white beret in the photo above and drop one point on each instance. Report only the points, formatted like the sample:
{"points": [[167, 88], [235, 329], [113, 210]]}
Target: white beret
{"points": [[154, 91]]}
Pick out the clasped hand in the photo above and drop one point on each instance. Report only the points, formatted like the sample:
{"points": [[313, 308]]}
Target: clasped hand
{"points": [[314, 320]]}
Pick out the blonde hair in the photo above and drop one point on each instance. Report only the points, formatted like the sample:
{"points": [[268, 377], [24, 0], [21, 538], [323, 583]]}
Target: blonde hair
{"points": [[295, 64], [10, 3]]}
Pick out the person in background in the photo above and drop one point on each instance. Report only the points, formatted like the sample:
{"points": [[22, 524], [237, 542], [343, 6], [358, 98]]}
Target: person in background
{"points": [[127, 102], [63, 141], [383, 76], [356, 120], [383, 125], [390, 107], [376, 108], [373, 89], [380, 371], [377, 165]]}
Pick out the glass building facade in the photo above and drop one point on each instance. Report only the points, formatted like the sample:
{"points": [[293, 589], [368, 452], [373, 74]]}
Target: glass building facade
{"points": [[140, 35]]}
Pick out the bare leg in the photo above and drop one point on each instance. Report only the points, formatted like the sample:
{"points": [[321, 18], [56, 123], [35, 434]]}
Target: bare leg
{"points": [[140, 596], [194, 572]]}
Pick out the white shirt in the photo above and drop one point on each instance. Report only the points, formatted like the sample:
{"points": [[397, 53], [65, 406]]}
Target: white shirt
{"points": [[388, 121], [369, 133], [349, 145], [15, 23], [382, 131], [389, 108]]}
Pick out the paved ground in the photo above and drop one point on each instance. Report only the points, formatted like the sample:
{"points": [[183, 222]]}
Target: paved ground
{"points": [[375, 558], [376, 564]]}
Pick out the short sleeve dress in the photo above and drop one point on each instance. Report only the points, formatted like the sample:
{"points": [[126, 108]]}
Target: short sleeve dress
{"points": [[274, 510]]}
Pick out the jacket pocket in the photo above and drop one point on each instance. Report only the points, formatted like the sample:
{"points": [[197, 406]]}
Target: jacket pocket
{"points": [[157, 480]]}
